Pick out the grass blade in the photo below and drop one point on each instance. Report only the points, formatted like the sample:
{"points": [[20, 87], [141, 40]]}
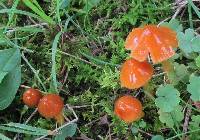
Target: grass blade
{"points": [[2, 137], [11, 14], [98, 61], [37, 11], [38, 6], [27, 127], [194, 8], [18, 130], [53, 70], [58, 10], [3, 11]]}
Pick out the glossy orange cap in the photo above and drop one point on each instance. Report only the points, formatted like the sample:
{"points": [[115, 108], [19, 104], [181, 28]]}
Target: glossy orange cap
{"points": [[128, 108], [31, 97], [135, 74], [159, 41], [50, 105]]}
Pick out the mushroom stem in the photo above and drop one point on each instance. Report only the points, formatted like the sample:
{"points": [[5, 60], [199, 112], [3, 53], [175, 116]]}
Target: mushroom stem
{"points": [[167, 66], [149, 95]]}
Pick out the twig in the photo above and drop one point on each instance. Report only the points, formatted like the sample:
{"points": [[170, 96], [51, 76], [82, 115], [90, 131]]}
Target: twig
{"points": [[92, 122], [81, 106], [137, 93], [64, 81], [186, 122], [159, 74], [73, 56], [24, 86], [178, 11], [30, 117], [148, 134], [163, 21]]}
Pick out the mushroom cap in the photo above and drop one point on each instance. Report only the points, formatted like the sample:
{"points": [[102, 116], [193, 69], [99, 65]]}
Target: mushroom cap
{"points": [[159, 41], [128, 108], [135, 74], [31, 97], [50, 105]]}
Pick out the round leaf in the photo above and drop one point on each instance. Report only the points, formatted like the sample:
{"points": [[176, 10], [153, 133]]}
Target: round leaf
{"points": [[193, 88], [168, 98], [157, 137]]}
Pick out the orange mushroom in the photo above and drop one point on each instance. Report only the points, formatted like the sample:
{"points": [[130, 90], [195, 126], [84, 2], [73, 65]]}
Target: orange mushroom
{"points": [[135, 74], [31, 97], [159, 41], [50, 106], [128, 108]]}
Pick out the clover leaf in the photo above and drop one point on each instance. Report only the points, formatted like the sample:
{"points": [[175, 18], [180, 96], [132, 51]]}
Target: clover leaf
{"points": [[193, 125], [170, 118], [193, 88], [188, 42], [197, 61], [168, 98], [174, 24]]}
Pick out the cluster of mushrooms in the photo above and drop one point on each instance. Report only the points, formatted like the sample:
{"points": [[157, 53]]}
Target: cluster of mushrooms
{"points": [[49, 105], [159, 42]]}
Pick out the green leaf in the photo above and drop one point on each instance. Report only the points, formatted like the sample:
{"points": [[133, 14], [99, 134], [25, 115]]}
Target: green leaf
{"points": [[197, 61], [22, 128], [11, 15], [170, 118], [185, 40], [195, 44], [2, 75], [53, 58], [29, 29], [168, 98], [174, 24], [134, 130], [157, 137], [10, 61], [2, 137], [89, 5], [3, 11], [180, 73], [67, 131], [64, 4], [196, 9], [37, 9], [188, 42], [193, 88], [193, 125], [26, 127]]}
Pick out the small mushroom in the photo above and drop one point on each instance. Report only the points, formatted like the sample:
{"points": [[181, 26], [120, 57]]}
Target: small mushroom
{"points": [[31, 97], [159, 41], [50, 106], [135, 74], [128, 108]]}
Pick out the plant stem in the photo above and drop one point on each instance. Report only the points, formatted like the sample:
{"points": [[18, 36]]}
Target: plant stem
{"points": [[190, 105], [178, 135], [190, 15], [149, 95], [35, 72]]}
